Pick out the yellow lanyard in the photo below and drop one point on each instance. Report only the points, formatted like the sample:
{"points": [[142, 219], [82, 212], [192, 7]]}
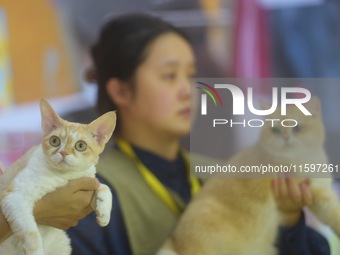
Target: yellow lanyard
{"points": [[153, 182]]}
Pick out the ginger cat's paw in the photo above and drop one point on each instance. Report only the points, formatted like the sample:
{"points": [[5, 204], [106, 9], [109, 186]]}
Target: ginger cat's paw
{"points": [[104, 205]]}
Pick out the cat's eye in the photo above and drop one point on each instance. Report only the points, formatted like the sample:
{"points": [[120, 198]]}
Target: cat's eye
{"points": [[54, 141], [81, 146], [297, 128], [276, 130]]}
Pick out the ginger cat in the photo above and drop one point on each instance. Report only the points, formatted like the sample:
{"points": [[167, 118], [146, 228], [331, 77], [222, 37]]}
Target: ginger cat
{"points": [[240, 216], [68, 151]]}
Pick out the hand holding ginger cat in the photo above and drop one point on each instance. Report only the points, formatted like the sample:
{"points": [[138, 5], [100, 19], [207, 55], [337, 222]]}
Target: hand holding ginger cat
{"points": [[291, 196], [67, 205], [62, 208]]}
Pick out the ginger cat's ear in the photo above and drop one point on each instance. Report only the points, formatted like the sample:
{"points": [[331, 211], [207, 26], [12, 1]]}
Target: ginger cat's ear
{"points": [[264, 105], [2, 168], [102, 127], [49, 118], [314, 106]]}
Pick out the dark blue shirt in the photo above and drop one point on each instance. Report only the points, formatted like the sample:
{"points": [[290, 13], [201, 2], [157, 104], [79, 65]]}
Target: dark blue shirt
{"points": [[87, 238]]}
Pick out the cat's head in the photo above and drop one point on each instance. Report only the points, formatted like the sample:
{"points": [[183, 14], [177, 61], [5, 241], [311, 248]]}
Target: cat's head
{"points": [[74, 146], [307, 135]]}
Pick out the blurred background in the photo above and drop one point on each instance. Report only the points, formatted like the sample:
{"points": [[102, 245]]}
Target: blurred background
{"points": [[44, 48]]}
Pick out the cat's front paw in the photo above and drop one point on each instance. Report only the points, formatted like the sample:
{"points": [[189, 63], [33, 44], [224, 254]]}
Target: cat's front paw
{"points": [[30, 242], [103, 205]]}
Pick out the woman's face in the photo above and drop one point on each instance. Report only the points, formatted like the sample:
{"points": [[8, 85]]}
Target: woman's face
{"points": [[162, 86]]}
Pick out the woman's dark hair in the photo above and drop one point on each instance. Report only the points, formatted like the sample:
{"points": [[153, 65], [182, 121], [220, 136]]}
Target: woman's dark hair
{"points": [[121, 48]]}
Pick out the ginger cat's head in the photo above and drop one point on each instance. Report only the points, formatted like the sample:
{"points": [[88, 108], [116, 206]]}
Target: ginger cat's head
{"points": [[295, 141], [74, 146]]}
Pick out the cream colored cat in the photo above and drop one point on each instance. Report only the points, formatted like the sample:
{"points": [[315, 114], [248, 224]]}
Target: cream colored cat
{"points": [[68, 151], [240, 216]]}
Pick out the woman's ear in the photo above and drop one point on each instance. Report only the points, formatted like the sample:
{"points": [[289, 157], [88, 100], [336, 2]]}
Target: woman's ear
{"points": [[119, 91]]}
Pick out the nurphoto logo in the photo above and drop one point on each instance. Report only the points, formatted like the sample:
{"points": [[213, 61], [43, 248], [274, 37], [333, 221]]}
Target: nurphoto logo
{"points": [[240, 101]]}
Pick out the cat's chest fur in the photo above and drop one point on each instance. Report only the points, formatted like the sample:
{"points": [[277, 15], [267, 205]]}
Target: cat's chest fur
{"points": [[39, 178]]}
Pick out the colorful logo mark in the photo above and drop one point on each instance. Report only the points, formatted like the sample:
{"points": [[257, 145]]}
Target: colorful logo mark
{"points": [[210, 91], [213, 94]]}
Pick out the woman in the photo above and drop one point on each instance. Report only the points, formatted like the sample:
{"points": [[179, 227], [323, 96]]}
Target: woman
{"points": [[143, 68]]}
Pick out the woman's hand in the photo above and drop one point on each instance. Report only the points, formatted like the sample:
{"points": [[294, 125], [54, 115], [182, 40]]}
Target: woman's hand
{"points": [[64, 207], [291, 196]]}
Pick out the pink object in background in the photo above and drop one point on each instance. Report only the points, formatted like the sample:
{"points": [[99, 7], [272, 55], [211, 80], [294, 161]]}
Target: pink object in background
{"points": [[14, 145], [252, 58]]}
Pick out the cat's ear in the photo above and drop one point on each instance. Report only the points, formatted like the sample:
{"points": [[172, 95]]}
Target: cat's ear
{"points": [[49, 118], [102, 127], [314, 106], [2, 168], [264, 105]]}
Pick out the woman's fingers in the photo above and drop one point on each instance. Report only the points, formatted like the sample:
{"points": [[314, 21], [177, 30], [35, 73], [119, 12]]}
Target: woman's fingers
{"points": [[307, 196], [292, 193], [85, 183], [294, 190]]}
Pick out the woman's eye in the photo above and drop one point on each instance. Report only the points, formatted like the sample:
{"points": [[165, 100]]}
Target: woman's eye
{"points": [[190, 76], [81, 146], [276, 130], [54, 141], [169, 76], [297, 128]]}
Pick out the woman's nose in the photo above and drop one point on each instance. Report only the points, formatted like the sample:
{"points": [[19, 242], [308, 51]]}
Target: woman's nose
{"points": [[185, 88]]}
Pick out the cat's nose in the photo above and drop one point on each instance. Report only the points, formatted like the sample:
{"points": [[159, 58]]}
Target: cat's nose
{"points": [[286, 138], [63, 153]]}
